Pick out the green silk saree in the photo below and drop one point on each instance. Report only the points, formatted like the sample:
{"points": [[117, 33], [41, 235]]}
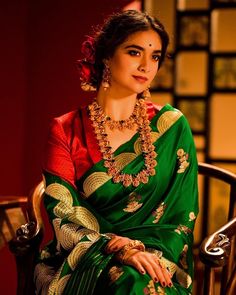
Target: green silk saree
{"points": [[160, 213]]}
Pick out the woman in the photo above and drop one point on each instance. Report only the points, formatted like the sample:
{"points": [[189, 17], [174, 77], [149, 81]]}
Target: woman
{"points": [[120, 175]]}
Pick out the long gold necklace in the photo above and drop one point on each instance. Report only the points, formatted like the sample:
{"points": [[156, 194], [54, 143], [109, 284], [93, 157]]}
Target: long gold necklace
{"points": [[140, 116]]}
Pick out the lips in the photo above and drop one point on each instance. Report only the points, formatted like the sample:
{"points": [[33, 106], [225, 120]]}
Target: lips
{"points": [[140, 79]]}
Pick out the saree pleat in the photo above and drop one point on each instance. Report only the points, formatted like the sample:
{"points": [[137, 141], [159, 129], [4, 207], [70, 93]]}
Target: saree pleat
{"points": [[161, 214], [88, 270]]}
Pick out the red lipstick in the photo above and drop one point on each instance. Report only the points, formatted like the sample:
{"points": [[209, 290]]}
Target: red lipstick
{"points": [[140, 79]]}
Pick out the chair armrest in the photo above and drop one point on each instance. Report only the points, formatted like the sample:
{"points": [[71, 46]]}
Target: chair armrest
{"points": [[30, 234], [25, 245], [28, 237], [215, 249]]}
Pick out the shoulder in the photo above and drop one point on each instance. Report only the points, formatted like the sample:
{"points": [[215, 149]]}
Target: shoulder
{"points": [[162, 111], [64, 126], [168, 116], [67, 118]]}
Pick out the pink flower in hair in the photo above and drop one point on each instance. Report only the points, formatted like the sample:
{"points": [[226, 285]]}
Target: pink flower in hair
{"points": [[88, 49], [86, 70], [86, 65]]}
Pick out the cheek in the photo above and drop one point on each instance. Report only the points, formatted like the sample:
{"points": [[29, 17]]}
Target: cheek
{"points": [[154, 70], [120, 66]]}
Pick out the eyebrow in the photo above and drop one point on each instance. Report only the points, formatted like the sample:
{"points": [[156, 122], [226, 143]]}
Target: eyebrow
{"points": [[140, 48]]}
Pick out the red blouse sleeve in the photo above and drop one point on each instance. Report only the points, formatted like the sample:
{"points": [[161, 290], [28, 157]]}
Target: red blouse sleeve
{"points": [[57, 157]]}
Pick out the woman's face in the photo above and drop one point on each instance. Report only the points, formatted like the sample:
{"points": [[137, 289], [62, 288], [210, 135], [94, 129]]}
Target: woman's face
{"points": [[135, 62]]}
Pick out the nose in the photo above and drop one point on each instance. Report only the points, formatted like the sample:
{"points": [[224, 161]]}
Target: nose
{"points": [[144, 66]]}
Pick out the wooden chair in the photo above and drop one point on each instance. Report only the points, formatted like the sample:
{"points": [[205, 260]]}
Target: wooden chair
{"points": [[218, 249], [25, 246], [6, 203]]}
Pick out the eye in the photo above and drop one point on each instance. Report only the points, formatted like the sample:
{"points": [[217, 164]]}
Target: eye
{"points": [[156, 57], [134, 52]]}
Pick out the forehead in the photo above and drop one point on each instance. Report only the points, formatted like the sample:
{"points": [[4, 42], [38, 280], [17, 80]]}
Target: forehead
{"points": [[146, 39]]}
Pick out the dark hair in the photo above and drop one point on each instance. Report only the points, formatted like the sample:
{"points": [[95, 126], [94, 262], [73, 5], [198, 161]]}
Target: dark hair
{"points": [[116, 29]]}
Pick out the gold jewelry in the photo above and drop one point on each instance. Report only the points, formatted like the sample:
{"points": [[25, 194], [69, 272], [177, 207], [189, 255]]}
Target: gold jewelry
{"points": [[106, 77], [146, 93], [87, 86], [124, 259], [134, 244], [148, 149], [123, 124]]}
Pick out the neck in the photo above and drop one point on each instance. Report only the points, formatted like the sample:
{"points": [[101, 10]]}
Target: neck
{"points": [[116, 106]]}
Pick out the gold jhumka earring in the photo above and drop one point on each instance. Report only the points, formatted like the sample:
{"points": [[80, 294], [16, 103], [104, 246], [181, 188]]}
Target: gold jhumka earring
{"points": [[146, 93]]}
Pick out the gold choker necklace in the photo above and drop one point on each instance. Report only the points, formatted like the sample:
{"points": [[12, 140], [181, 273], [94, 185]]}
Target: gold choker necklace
{"points": [[98, 119], [123, 124]]}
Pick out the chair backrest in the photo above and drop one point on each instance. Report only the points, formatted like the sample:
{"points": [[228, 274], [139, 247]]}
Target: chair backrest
{"points": [[219, 248]]}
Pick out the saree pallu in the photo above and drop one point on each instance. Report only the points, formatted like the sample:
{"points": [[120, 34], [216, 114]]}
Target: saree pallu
{"points": [[160, 213]]}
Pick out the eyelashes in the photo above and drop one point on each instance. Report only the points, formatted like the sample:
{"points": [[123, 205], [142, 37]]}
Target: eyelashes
{"points": [[134, 52], [155, 57]]}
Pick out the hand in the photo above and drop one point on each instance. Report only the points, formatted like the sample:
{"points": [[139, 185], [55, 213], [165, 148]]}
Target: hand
{"points": [[149, 263], [116, 244]]}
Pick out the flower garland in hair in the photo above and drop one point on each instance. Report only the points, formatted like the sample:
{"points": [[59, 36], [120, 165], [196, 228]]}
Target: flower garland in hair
{"points": [[86, 65]]}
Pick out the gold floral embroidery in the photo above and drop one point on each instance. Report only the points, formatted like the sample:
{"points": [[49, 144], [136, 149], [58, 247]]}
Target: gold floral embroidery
{"points": [[151, 290], [43, 275], [63, 195], [183, 160], [124, 159], [159, 212], [53, 284], [183, 257], [160, 291], [182, 277], [76, 254], [192, 216], [183, 228], [167, 119], [138, 146], [94, 181], [133, 202], [115, 273], [97, 179], [67, 235], [84, 217], [61, 284]]}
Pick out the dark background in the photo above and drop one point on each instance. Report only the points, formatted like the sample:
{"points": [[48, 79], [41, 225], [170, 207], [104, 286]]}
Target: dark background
{"points": [[40, 41]]}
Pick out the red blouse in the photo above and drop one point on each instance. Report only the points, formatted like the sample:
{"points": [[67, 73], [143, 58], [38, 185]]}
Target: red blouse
{"points": [[72, 147]]}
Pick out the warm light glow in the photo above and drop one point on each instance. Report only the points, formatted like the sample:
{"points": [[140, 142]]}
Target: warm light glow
{"points": [[136, 5]]}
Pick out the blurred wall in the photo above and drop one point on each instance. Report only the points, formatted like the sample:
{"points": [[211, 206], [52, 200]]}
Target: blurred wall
{"points": [[40, 42]]}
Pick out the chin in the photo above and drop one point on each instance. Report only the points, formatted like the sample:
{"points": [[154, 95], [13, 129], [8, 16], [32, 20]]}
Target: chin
{"points": [[139, 90]]}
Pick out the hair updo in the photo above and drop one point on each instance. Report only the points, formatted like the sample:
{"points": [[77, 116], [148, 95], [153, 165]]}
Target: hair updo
{"points": [[116, 29]]}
